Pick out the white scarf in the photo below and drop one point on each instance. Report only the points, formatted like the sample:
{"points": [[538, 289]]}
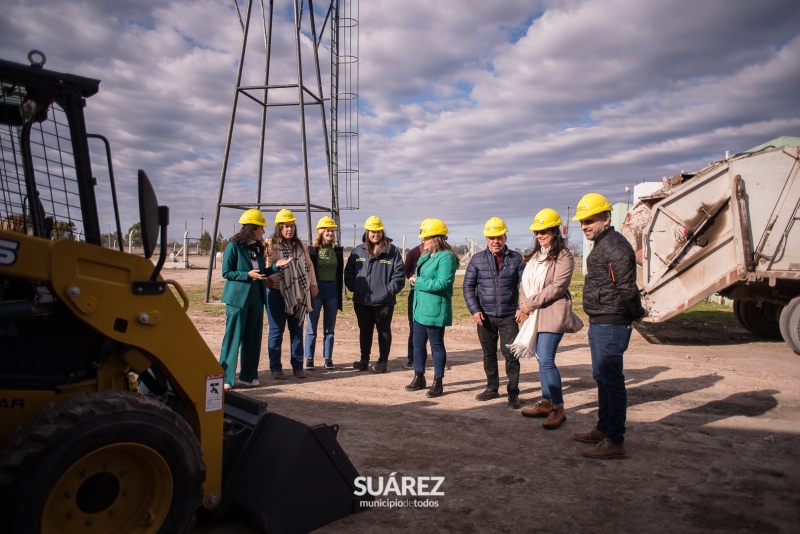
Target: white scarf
{"points": [[524, 345]]}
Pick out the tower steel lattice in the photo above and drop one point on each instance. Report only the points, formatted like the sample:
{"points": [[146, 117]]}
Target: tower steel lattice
{"points": [[261, 164]]}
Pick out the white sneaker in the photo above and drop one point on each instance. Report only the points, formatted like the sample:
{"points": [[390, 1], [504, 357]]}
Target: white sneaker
{"points": [[245, 383], [226, 387]]}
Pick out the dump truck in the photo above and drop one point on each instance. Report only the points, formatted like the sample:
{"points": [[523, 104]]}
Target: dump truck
{"points": [[730, 228], [113, 415]]}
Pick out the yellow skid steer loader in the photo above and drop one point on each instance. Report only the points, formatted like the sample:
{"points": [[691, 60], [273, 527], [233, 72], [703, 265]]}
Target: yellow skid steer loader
{"points": [[82, 449]]}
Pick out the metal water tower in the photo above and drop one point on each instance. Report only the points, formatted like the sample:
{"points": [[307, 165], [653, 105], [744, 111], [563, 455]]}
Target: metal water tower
{"points": [[280, 159]]}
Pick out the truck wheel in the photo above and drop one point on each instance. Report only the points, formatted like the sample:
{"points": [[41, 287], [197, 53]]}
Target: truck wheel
{"points": [[737, 313], [790, 324], [761, 321], [110, 462]]}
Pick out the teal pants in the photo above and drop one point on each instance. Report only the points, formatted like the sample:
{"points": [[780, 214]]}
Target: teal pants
{"points": [[243, 328]]}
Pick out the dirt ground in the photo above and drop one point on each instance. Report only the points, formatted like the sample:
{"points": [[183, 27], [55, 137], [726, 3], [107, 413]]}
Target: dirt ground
{"points": [[713, 435]]}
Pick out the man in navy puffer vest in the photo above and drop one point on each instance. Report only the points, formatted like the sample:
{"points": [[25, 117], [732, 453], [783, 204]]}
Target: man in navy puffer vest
{"points": [[491, 291]]}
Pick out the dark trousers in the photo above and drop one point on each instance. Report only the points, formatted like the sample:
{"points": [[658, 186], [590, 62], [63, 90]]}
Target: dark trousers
{"points": [[608, 342], [411, 326], [422, 336], [505, 329], [374, 318]]}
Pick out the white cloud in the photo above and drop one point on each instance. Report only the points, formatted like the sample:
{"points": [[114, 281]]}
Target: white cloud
{"points": [[472, 108]]}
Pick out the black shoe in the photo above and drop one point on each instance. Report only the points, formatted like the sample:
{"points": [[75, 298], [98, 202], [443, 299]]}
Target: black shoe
{"points": [[309, 364], [436, 388], [378, 367], [513, 401], [361, 365], [329, 364], [409, 364], [488, 394], [418, 382]]}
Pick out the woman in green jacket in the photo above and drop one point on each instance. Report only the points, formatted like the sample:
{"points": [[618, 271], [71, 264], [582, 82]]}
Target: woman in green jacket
{"points": [[433, 303], [244, 271]]}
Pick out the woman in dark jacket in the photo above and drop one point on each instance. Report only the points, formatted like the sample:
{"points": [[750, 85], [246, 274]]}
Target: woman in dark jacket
{"points": [[374, 273], [327, 260]]}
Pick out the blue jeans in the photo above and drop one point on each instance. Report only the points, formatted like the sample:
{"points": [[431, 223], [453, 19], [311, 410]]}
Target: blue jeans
{"points": [[608, 342], [422, 335], [550, 378], [327, 300], [277, 324]]}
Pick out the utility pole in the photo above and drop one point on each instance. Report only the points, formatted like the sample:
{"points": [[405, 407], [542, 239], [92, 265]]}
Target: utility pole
{"points": [[354, 237], [201, 224], [566, 228]]}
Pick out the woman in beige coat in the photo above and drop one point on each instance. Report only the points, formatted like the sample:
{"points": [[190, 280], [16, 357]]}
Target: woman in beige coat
{"points": [[545, 297]]}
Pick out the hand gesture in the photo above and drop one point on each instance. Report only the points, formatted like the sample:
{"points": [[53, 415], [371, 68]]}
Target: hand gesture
{"points": [[284, 261]]}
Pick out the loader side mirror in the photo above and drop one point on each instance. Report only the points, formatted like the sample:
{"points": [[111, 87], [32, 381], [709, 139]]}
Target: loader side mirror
{"points": [[148, 214], [153, 217]]}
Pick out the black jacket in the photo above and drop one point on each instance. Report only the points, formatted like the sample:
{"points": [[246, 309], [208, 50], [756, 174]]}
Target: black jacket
{"points": [[489, 291], [375, 281], [313, 252], [610, 295]]}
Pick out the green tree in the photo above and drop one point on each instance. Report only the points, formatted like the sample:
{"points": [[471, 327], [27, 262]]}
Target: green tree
{"points": [[205, 243], [135, 231], [221, 242], [64, 230]]}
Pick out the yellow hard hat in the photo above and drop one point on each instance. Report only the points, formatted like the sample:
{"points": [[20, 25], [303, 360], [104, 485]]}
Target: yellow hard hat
{"points": [[373, 223], [253, 217], [284, 216], [591, 204], [432, 227], [547, 218], [495, 227], [326, 222]]}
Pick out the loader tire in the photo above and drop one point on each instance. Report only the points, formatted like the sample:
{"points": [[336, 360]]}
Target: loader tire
{"points": [[761, 321], [790, 324], [111, 462]]}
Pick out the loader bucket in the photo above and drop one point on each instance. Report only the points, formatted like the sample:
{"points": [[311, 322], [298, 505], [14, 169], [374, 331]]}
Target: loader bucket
{"points": [[274, 466]]}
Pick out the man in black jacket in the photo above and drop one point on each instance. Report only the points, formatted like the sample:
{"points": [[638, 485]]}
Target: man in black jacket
{"points": [[612, 302], [491, 291]]}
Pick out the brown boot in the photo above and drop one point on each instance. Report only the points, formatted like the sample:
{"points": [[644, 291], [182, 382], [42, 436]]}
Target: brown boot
{"points": [[606, 450], [593, 436], [542, 409], [555, 418]]}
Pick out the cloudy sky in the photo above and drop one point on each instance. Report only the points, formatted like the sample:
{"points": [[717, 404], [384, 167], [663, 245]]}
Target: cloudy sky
{"points": [[468, 109]]}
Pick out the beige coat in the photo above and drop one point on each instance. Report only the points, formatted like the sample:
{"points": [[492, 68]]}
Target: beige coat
{"points": [[554, 301], [272, 255]]}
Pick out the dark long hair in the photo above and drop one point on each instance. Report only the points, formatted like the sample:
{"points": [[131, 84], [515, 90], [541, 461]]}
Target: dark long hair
{"points": [[556, 247], [374, 250], [245, 233], [276, 236]]}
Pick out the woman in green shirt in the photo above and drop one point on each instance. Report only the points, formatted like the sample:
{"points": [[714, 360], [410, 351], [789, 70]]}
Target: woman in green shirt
{"points": [[328, 261], [433, 303]]}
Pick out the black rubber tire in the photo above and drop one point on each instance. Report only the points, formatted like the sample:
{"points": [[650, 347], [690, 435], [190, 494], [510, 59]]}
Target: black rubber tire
{"points": [[790, 324], [737, 313], [41, 454], [762, 321]]}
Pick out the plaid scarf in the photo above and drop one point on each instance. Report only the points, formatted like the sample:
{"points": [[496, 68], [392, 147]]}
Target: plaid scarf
{"points": [[294, 281]]}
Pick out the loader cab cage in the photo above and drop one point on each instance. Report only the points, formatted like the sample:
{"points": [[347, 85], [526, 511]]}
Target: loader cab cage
{"points": [[46, 183]]}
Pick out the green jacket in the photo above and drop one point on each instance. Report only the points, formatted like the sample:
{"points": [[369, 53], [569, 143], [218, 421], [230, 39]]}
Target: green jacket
{"points": [[433, 289], [241, 290]]}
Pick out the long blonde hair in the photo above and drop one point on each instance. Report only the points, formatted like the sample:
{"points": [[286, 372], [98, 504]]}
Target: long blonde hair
{"points": [[318, 241]]}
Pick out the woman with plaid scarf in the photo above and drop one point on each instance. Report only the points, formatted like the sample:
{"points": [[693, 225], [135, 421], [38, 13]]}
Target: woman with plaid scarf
{"points": [[289, 294]]}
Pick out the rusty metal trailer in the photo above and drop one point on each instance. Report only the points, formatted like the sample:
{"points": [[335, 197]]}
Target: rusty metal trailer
{"points": [[730, 228]]}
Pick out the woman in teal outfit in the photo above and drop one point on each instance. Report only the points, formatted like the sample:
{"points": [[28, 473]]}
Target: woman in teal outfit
{"points": [[244, 271], [433, 303]]}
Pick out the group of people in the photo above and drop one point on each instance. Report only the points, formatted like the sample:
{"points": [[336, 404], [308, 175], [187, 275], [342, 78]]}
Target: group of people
{"points": [[292, 282], [521, 302]]}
